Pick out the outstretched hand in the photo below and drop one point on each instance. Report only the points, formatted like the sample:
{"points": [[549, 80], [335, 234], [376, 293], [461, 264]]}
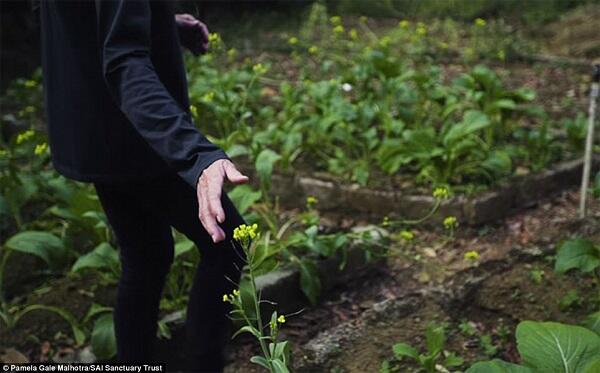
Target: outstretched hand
{"points": [[208, 191], [193, 34]]}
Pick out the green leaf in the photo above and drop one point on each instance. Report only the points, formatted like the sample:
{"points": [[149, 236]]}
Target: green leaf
{"points": [[279, 366], [497, 366], [452, 360], [310, 282], [554, 347], [104, 343], [435, 337], [472, 122], [184, 246], [592, 322], [44, 245], [264, 164], [103, 256], [593, 366], [577, 253], [247, 329], [260, 361], [243, 196], [403, 349]]}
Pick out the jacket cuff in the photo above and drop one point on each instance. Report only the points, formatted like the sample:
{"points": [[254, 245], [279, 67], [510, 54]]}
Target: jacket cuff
{"points": [[192, 175]]}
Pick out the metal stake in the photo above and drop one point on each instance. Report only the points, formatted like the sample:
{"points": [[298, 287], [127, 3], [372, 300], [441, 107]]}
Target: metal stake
{"points": [[589, 143]]}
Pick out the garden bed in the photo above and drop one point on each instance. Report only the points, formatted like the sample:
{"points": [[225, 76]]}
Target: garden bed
{"points": [[509, 197], [355, 329]]}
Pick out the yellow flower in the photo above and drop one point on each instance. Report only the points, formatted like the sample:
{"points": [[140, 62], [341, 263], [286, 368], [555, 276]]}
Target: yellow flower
{"points": [[441, 193], [421, 29], [194, 110], [24, 136], [311, 200], [213, 37], [40, 149], [236, 292], [225, 298], [313, 50], [232, 53], [335, 20], [281, 319], [480, 22], [259, 68], [386, 221], [450, 222], [339, 29], [407, 235], [293, 40], [208, 97], [472, 255], [403, 24], [353, 34], [245, 231]]}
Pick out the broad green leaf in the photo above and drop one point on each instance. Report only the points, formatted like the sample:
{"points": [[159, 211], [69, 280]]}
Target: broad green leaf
{"points": [[592, 322], [104, 343], [577, 253], [554, 347], [497, 366], [103, 256], [243, 196], [593, 366], [264, 164], [403, 349], [309, 280], [472, 122], [184, 246], [44, 245]]}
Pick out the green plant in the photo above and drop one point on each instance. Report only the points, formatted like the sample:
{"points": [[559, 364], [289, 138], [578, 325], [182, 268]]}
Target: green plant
{"points": [[549, 347], [247, 308], [435, 340]]}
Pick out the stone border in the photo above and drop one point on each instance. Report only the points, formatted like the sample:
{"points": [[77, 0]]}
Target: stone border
{"points": [[509, 197]]}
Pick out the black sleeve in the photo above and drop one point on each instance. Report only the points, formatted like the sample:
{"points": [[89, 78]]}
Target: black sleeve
{"points": [[124, 32]]}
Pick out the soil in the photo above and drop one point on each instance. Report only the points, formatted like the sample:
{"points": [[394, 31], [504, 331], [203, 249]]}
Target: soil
{"points": [[506, 292]]}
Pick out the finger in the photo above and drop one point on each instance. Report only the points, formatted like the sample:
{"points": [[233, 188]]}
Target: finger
{"points": [[203, 32], [233, 175], [215, 188], [208, 220]]}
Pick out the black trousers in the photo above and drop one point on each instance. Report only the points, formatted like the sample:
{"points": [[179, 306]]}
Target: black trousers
{"points": [[141, 215]]}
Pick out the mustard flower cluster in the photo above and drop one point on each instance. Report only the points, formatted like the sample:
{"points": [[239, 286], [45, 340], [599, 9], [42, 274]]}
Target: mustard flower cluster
{"points": [[450, 222], [472, 256], [245, 231], [41, 149], [24, 136], [441, 193]]}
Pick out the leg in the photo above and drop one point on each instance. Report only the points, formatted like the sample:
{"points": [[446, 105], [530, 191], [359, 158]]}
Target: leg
{"points": [[146, 252], [207, 325]]}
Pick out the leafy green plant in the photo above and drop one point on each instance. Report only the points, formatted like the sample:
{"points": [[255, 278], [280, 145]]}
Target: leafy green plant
{"points": [[434, 353], [246, 304], [549, 347]]}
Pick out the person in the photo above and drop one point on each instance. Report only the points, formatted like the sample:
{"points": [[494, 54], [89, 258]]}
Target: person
{"points": [[117, 107]]}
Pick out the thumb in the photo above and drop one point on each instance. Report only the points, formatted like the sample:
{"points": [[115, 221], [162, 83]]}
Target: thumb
{"points": [[233, 175]]}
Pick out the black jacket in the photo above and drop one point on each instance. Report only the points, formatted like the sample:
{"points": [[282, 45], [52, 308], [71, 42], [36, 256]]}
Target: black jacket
{"points": [[116, 92]]}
